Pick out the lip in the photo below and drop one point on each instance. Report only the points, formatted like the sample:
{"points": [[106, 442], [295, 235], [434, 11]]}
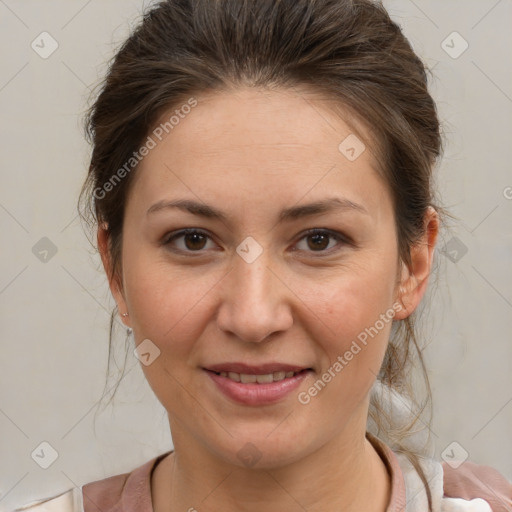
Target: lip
{"points": [[254, 369], [255, 394]]}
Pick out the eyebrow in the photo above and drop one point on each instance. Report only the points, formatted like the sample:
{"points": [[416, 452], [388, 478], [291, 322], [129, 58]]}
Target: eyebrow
{"points": [[292, 213]]}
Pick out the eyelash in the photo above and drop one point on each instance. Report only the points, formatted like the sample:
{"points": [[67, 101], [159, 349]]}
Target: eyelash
{"points": [[342, 240]]}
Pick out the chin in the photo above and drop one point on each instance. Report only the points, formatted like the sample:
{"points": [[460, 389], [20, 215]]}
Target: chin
{"points": [[261, 450]]}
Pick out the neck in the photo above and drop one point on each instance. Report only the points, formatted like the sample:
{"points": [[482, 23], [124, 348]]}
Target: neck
{"points": [[346, 474]]}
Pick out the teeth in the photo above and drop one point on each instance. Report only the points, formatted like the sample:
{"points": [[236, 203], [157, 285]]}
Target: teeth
{"points": [[266, 378]]}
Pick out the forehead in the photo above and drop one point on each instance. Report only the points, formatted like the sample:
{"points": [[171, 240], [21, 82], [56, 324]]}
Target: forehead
{"points": [[298, 117], [282, 143]]}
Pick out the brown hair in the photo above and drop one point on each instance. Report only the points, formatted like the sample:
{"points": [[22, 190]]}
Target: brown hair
{"points": [[348, 51]]}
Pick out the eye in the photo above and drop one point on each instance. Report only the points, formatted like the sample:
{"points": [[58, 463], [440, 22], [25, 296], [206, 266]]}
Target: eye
{"points": [[194, 240], [320, 239]]}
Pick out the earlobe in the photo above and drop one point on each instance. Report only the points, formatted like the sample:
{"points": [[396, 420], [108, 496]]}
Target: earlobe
{"points": [[404, 305]]}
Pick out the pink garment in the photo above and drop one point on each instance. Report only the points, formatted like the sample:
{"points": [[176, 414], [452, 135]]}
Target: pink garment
{"points": [[131, 492], [472, 480]]}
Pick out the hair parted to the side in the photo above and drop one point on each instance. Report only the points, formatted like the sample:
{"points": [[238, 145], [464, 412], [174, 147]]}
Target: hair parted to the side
{"points": [[348, 51]]}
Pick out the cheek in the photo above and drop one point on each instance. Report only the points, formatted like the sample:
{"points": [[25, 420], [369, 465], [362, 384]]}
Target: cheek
{"points": [[350, 303], [352, 321], [352, 330], [168, 305], [169, 309]]}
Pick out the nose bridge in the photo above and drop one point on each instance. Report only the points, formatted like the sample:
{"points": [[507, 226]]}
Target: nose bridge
{"points": [[254, 300]]}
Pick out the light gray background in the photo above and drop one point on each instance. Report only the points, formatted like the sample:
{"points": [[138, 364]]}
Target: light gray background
{"points": [[54, 314]]}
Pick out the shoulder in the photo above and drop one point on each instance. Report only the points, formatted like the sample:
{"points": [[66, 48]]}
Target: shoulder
{"points": [[468, 487], [126, 492], [471, 481], [105, 494], [102, 495], [68, 501]]}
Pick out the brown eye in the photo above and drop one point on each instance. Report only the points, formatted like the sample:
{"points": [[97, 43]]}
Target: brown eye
{"points": [[193, 240], [318, 240]]}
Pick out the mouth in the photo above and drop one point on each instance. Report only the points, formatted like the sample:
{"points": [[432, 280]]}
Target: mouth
{"points": [[261, 378], [257, 385]]}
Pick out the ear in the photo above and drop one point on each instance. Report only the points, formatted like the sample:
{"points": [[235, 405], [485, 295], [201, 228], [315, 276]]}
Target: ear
{"points": [[414, 280], [103, 237]]}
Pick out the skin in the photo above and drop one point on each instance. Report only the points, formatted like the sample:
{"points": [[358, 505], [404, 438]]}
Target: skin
{"points": [[251, 154]]}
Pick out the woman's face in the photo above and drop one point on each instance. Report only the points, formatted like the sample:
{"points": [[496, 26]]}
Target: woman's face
{"points": [[253, 287]]}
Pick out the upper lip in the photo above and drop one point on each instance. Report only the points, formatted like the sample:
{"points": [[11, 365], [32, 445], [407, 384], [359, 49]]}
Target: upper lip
{"points": [[259, 369]]}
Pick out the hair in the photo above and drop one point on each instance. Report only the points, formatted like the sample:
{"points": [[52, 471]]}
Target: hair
{"points": [[349, 51]]}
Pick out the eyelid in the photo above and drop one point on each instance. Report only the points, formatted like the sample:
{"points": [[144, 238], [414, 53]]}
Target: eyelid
{"points": [[339, 237]]}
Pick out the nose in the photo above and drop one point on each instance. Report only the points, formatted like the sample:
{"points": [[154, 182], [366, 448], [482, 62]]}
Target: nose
{"points": [[255, 301]]}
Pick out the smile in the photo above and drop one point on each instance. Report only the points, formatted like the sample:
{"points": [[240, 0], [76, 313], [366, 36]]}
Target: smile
{"points": [[256, 389], [266, 378]]}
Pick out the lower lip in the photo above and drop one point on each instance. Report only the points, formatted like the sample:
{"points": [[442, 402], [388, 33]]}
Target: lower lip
{"points": [[257, 394]]}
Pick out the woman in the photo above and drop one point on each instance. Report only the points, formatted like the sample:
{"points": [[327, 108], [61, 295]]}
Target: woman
{"points": [[261, 179]]}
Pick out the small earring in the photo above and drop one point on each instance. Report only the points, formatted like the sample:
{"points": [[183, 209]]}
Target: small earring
{"points": [[125, 314]]}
